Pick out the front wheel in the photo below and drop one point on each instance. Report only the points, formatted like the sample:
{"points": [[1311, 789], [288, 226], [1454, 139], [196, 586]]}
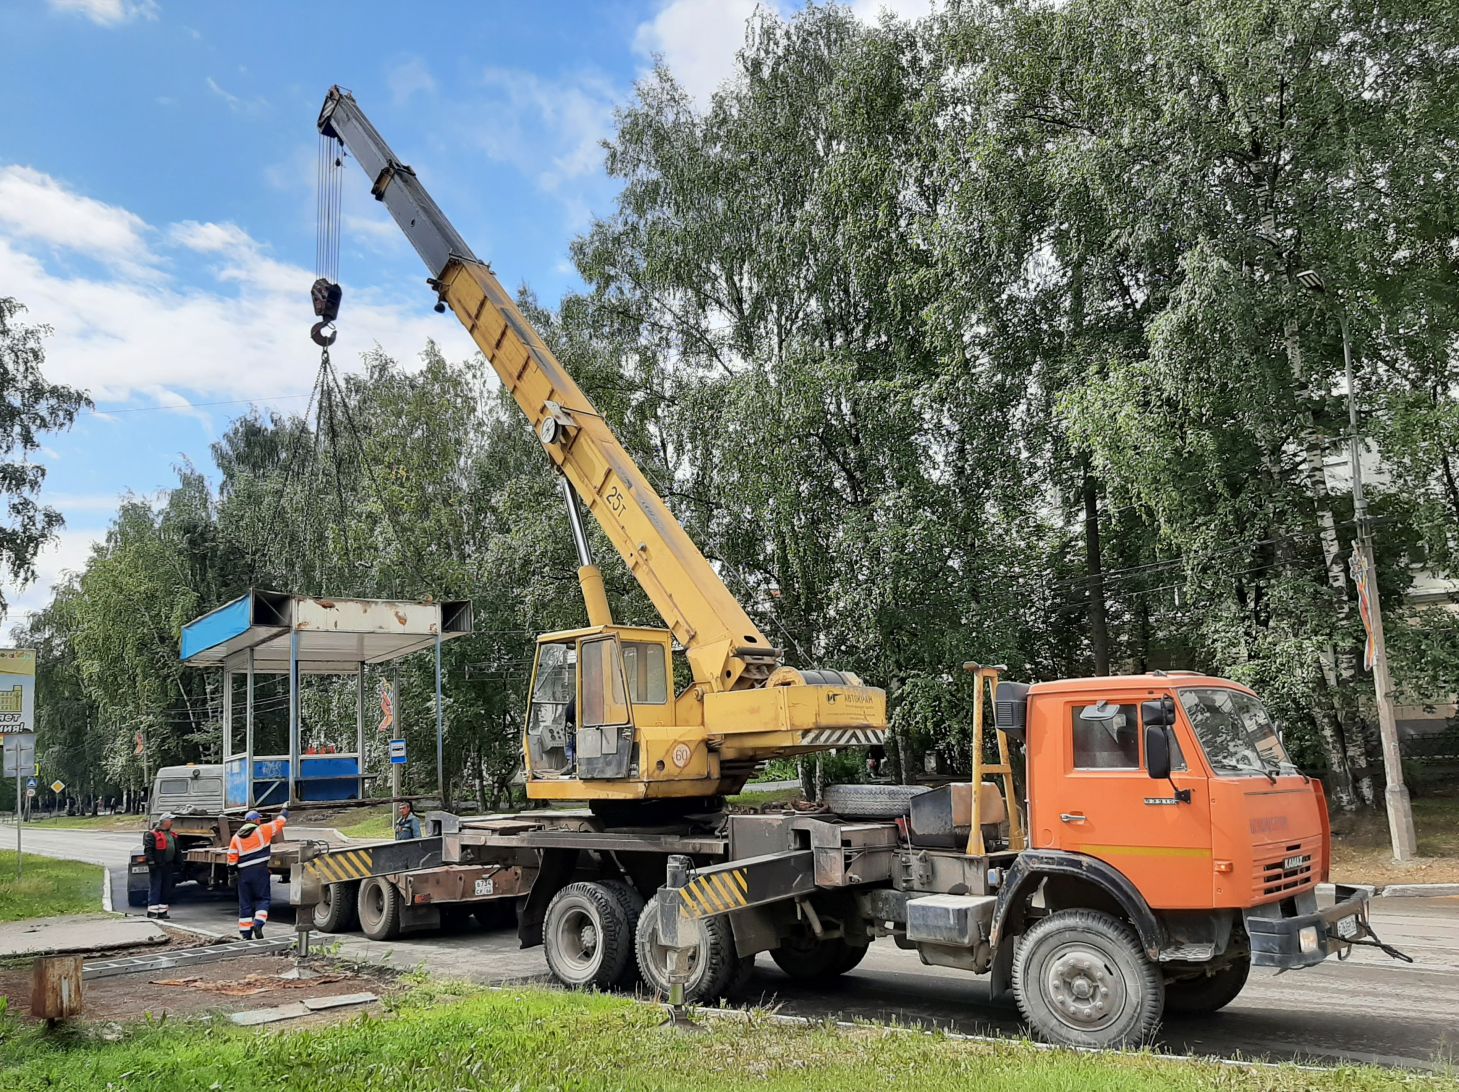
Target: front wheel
{"points": [[1081, 978], [1205, 993]]}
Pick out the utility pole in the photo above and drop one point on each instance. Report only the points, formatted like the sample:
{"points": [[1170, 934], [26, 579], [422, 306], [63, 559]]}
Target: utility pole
{"points": [[1365, 576]]}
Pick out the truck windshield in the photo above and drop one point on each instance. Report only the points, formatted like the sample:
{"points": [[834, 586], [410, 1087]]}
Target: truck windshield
{"points": [[1235, 731]]}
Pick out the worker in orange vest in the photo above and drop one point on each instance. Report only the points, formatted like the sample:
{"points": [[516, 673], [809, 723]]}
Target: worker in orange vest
{"points": [[248, 853]]}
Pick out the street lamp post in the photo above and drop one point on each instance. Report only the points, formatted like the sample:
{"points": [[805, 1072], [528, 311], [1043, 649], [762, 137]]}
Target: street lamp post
{"points": [[1395, 795]]}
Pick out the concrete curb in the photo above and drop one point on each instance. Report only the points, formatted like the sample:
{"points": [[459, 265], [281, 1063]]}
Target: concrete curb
{"points": [[1399, 890]]}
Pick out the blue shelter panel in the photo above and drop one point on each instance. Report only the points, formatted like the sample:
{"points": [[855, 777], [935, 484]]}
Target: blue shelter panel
{"points": [[235, 781], [216, 627]]}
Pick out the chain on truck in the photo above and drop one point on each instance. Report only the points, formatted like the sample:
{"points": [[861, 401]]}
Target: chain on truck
{"points": [[1125, 847]]}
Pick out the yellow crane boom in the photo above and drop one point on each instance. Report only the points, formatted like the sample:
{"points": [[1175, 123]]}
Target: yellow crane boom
{"points": [[744, 706]]}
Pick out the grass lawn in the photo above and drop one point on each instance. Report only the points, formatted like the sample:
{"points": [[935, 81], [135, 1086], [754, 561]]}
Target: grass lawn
{"points": [[546, 1039], [1361, 851], [47, 887], [121, 823], [368, 823], [752, 799]]}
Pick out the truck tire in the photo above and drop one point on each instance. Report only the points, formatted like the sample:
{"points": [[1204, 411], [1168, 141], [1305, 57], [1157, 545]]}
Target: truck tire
{"points": [[379, 908], [632, 903], [871, 801], [587, 936], [338, 908], [1205, 993], [809, 960], [1081, 978], [716, 968]]}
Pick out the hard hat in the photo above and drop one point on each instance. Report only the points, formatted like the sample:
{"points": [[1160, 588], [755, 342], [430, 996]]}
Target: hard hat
{"points": [[254, 816]]}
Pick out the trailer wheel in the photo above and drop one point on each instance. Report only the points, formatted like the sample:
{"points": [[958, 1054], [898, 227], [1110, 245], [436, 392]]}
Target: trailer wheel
{"points": [[632, 903], [1205, 993], [871, 801], [1081, 979], [337, 910], [379, 907], [716, 968], [807, 959], [587, 936]]}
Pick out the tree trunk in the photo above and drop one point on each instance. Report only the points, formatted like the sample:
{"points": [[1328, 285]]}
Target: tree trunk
{"points": [[1094, 585], [1338, 737]]}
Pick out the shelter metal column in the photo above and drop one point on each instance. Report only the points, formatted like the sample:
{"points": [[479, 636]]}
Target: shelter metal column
{"points": [[227, 713], [248, 734], [360, 729], [440, 727], [294, 770]]}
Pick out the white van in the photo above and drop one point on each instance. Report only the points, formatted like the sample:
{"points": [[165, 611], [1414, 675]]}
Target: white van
{"points": [[187, 790]]}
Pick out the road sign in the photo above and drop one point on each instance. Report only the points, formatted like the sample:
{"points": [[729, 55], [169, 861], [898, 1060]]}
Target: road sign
{"points": [[19, 754], [397, 752], [57, 785], [30, 794], [17, 690], [31, 783]]}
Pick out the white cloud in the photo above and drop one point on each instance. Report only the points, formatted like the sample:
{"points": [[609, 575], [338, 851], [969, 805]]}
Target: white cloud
{"points": [[37, 207], [552, 131], [214, 316], [870, 11], [698, 40], [410, 78], [236, 103], [108, 13]]}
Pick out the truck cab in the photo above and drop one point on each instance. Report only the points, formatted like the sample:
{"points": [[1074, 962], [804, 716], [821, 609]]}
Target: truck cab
{"points": [[1226, 821]]}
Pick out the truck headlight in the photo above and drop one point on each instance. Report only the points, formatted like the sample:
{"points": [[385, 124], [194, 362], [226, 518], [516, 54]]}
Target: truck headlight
{"points": [[1307, 939]]}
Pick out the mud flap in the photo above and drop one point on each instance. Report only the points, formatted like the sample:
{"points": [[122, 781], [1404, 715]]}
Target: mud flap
{"points": [[554, 873]]}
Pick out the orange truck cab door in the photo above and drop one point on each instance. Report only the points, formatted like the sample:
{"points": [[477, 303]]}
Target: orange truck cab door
{"points": [[1099, 799]]}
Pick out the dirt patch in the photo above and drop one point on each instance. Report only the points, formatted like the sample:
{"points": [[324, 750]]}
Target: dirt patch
{"points": [[229, 985], [1361, 851]]}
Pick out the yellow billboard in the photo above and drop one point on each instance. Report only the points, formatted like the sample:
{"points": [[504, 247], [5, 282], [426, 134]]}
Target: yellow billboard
{"points": [[17, 690]]}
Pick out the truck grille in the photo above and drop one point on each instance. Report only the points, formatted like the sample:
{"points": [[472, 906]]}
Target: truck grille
{"points": [[1287, 871]]}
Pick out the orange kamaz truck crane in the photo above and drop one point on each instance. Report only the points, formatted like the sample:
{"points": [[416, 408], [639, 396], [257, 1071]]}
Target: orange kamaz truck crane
{"points": [[1135, 847]]}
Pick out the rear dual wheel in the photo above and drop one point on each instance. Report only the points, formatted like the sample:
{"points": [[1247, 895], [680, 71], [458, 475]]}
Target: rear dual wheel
{"points": [[716, 969], [588, 934], [379, 905], [337, 910]]}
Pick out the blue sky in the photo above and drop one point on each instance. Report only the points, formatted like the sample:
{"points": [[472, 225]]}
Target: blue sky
{"points": [[157, 165]]}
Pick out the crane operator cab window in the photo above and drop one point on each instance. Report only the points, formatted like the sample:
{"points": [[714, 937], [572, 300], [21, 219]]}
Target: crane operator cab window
{"points": [[550, 737]]}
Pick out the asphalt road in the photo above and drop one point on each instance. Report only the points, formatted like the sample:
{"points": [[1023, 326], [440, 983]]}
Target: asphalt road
{"points": [[1367, 1009]]}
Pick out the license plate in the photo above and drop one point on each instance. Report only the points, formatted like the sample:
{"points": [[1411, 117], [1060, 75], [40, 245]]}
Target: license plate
{"points": [[136, 871], [485, 887], [1347, 928]]}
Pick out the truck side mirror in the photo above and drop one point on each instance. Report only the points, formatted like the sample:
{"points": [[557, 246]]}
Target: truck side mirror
{"points": [[1161, 711], [1157, 750]]}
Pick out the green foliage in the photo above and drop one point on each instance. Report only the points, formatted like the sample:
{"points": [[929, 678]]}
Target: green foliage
{"points": [[29, 407]]}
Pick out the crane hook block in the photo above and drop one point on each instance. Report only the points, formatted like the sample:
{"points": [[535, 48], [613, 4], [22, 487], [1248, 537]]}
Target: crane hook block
{"points": [[326, 296]]}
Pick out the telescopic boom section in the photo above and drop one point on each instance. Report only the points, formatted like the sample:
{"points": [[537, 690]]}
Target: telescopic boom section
{"points": [[726, 651]]}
